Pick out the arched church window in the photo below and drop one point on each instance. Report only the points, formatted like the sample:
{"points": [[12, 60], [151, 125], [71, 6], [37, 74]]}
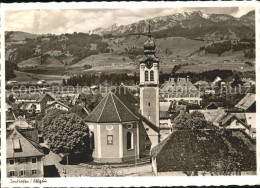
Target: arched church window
{"points": [[129, 140], [146, 76], [92, 140], [152, 76]]}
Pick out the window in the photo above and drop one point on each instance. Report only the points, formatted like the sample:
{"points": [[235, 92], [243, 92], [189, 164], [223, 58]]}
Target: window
{"points": [[149, 104], [34, 160], [22, 160], [146, 76], [109, 139], [11, 161], [152, 76], [92, 141], [22, 172], [12, 173], [129, 140], [237, 123], [250, 117], [147, 138], [34, 172]]}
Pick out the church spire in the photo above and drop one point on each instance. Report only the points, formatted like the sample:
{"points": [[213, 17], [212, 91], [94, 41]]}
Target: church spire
{"points": [[149, 27]]}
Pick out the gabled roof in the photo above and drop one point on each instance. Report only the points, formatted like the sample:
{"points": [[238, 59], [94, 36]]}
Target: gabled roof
{"points": [[111, 110], [34, 97], [194, 150], [27, 147], [246, 102], [180, 85], [21, 123], [226, 118], [57, 102]]}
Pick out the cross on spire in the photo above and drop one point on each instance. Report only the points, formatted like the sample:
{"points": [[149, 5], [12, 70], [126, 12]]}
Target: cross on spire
{"points": [[149, 27]]}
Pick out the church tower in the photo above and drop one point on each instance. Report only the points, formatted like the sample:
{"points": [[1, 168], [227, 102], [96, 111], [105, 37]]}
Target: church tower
{"points": [[149, 82]]}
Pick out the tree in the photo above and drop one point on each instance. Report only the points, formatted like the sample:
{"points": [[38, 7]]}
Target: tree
{"points": [[198, 120], [237, 81], [195, 120], [65, 133], [64, 82]]}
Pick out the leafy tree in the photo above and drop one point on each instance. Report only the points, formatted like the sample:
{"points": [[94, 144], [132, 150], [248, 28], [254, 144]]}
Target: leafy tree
{"points": [[195, 120], [9, 70], [66, 133], [237, 81]]}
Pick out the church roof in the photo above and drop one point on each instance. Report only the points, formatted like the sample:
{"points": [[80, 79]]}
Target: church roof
{"points": [[111, 110]]}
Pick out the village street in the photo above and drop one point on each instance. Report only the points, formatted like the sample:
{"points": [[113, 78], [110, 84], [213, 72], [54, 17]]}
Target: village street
{"points": [[81, 169]]}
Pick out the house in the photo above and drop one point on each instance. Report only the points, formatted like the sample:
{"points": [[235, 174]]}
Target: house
{"points": [[39, 100], [230, 121], [191, 152], [24, 155], [165, 124], [251, 122], [180, 89], [21, 123], [56, 105], [248, 103]]}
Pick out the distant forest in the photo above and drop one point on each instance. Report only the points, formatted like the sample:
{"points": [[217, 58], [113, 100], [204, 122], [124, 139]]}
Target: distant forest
{"points": [[117, 79]]}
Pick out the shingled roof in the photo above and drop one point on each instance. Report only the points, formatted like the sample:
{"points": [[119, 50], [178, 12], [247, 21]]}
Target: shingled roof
{"points": [[246, 102], [21, 146], [111, 110], [187, 150]]}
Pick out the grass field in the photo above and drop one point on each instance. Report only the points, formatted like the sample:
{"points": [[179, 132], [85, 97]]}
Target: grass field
{"points": [[179, 51], [228, 61]]}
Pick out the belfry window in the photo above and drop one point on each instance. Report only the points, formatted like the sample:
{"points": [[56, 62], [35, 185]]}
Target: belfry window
{"points": [[92, 140], [146, 76], [152, 76], [129, 140]]}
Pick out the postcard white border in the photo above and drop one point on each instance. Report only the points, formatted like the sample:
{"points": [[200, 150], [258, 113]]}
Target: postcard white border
{"points": [[129, 181]]}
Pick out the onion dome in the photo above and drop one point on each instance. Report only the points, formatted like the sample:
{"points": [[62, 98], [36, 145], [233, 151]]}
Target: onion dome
{"points": [[149, 45]]}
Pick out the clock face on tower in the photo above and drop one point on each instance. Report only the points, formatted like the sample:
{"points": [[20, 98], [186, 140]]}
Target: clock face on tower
{"points": [[149, 64]]}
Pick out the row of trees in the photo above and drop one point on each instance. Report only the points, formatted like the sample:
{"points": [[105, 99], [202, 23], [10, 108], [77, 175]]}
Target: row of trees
{"points": [[9, 70], [94, 79]]}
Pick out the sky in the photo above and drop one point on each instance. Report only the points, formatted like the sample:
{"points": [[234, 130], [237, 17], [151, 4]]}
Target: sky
{"points": [[83, 20]]}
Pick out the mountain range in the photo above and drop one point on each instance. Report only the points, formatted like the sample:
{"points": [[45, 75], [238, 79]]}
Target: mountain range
{"points": [[189, 22]]}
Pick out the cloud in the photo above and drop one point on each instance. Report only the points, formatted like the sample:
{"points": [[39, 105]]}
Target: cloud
{"points": [[82, 20]]}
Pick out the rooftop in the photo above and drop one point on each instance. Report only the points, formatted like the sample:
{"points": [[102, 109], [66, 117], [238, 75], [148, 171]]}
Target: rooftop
{"points": [[21, 146], [111, 109], [188, 150], [247, 101]]}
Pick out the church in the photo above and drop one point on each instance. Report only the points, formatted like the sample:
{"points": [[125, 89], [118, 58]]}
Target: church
{"points": [[123, 128]]}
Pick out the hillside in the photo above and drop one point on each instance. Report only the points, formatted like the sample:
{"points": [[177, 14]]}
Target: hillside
{"points": [[185, 40]]}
